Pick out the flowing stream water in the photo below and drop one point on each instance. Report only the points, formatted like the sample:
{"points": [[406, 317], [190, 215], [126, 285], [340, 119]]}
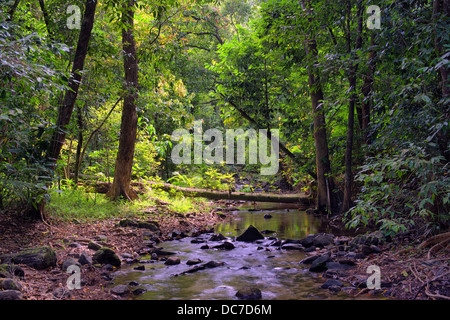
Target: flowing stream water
{"points": [[277, 273]]}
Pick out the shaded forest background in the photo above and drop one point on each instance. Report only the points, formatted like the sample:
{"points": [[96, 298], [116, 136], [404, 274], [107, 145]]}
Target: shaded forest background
{"points": [[362, 112]]}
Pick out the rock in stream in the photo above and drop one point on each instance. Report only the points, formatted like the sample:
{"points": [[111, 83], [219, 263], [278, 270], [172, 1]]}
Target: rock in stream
{"points": [[250, 234]]}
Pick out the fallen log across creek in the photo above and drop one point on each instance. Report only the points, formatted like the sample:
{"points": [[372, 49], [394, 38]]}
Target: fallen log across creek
{"points": [[228, 195], [300, 198]]}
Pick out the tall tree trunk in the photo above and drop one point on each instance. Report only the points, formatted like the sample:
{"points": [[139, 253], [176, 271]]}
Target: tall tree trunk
{"points": [[12, 10], [46, 18], [441, 7], [79, 145], [441, 11], [128, 128], [66, 108], [327, 200], [367, 92], [347, 202]]}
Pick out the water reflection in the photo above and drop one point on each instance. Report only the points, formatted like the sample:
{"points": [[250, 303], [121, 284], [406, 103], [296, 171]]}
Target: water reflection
{"points": [[286, 223], [289, 221]]}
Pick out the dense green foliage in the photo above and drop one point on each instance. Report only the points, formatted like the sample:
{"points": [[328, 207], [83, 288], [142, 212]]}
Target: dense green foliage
{"points": [[237, 64]]}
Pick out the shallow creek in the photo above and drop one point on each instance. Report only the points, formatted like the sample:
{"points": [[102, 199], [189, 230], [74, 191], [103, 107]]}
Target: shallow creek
{"points": [[277, 273]]}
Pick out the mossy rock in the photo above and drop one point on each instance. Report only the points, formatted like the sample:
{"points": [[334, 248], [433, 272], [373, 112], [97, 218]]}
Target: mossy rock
{"points": [[94, 245], [10, 295], [106, 255], [10, 284], [373, 238], [38, 258], [10, 270], [150, 225]]}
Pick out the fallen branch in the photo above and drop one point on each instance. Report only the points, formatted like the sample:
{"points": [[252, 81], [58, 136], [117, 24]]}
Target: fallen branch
{"points": [[228, 195], [299, 198], [362, 291], [416, 274]]}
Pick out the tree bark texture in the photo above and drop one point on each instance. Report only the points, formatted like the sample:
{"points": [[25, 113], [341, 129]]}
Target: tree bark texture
{"points": [[128, 128], [70, 96], [347, 202], [326, 198], [441, 13], [325, 183], [367, 92]]}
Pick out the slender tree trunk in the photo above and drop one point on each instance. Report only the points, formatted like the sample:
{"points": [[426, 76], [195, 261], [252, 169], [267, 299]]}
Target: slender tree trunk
{"points": [[91, 136], [367, 92], [69, 157], [347, 202], [295, 158], [12, 10], [326, 198], [441, 7], [128, 128], [46, 18], [441, 11], [325, 183], [79, 145], [65, 110]]}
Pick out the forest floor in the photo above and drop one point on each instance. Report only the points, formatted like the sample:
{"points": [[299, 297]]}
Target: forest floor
{"points": [[409, 272], [406, 271], [70, 239]]}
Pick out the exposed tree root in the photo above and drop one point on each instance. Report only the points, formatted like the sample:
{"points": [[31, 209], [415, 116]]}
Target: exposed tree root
{"points": [[435, 240], [438, 246]]}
